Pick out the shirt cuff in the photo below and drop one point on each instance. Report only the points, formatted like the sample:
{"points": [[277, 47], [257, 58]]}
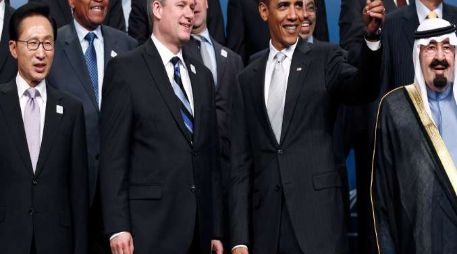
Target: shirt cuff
{"points": [[116, 235], [239, 246], [373, 45]]}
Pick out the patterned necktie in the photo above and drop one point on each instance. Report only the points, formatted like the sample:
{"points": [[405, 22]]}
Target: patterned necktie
{"points": [[205, 51], [91, 62], [431, 15], [277, 92], [32, 125], [180, 92]]}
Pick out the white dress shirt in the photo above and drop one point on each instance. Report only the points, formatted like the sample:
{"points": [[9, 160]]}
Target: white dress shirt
{"points": [[99, 50], [166, 56], [41, 100], [423, 11], [2, 16]]}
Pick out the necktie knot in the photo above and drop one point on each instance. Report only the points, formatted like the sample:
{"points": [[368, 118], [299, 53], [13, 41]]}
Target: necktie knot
{"points": [[90, 37], [279, 57], [175, 61], [32, 93], [432, 15]]}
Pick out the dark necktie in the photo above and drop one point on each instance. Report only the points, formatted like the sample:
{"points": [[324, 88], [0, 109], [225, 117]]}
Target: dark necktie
{"points": [[180, 92], [91, 61]]}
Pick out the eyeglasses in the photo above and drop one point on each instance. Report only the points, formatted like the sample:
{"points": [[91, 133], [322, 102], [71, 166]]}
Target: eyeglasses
{"points": [[35, 44]]}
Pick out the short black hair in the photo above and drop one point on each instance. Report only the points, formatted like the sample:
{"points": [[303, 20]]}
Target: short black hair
{"points": [[28, 10]]}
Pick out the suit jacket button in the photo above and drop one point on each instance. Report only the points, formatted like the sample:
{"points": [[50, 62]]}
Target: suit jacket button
{"points": [[34, 181], [280, 151], [193, 188], [31, 211]]}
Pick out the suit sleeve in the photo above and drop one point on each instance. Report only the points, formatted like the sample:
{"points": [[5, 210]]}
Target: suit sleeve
{"points": [[353, 85], [79, 184], [116, 118], [235, 28], [139, 24], [382, 190], [240, 173], [216, 21], [351, 27]]}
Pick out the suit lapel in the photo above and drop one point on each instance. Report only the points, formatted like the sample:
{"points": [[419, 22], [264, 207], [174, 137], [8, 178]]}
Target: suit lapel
{"points": [[51, 126], [448, 15], [258, 95], [298, 70], [9, 104], [159, 75], [74, 54], [411, 22], [221, 60], [110, 45]]}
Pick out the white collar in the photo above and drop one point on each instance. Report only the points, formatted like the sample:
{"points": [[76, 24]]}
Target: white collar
{"points": [[289, 51], [22, 85], [82, 31], [165, 53], [422, 11], [206, 35]]}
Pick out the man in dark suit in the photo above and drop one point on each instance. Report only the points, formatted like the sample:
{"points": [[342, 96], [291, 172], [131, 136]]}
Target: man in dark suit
{"points": [[248, 34], [43, 174], [61, 12], [8, 66], [72, 74], [140, 23], [225, 66], [283, 164], [159, 172]]}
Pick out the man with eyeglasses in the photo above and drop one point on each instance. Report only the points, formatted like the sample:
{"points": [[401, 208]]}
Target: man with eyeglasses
{"points": [[43, 169], [414, 178]]}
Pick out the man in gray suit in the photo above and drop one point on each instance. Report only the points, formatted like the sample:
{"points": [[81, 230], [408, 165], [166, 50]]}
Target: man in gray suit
{"points": [[83, 49]]}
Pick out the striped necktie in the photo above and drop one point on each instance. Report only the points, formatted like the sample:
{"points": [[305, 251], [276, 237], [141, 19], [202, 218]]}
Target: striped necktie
{"points": [[180, 92]]}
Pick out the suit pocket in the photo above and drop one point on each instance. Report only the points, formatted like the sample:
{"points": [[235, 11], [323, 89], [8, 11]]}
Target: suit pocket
{"points": [[329, 179], [2, 214], [145, 192]]}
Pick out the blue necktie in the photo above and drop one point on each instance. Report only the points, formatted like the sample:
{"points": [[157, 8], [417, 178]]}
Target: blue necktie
{"points": [[91, 62], [178, 88], [444, 113]]}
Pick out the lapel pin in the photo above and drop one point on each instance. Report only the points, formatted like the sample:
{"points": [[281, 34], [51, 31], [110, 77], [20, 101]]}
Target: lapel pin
{"points": [[113, 53], [223, 53], [192, 68], [299, 69], [59, 109]]}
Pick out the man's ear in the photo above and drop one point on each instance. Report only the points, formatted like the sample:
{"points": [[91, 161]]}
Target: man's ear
{"points": [[13, 46], [263, 10], [156, 10]]}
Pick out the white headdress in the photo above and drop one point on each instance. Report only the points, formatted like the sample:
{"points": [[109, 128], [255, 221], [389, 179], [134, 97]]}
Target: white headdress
{"points": [[438, 30]]}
